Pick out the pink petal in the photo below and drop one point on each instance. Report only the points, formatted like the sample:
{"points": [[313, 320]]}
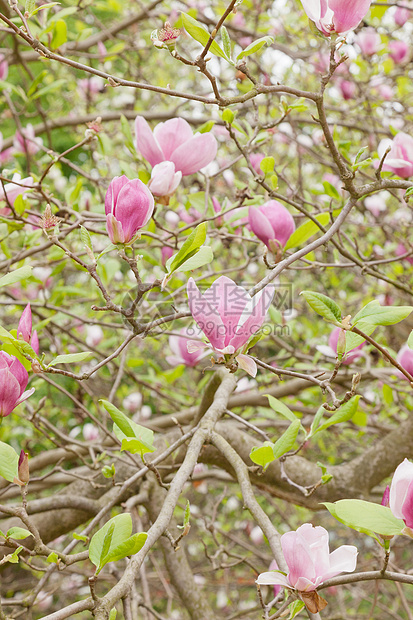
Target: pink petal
{"points": [[25, 396], [260, 225], [408, 506], [25, 324], [206, 316], [114, 229], [9, 392], [399, 488], [298, 557], [171, 134], [253, 317], [146, 143], [348, 14], [273, 579], [113, 192], [342, 560], [230, 301], [134, 207], [194, 154], [281, 220], [19, 372], [34, 342], [247, 363]]}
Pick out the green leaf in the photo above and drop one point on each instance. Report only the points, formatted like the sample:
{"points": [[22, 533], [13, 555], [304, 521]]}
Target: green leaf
{"points": [[13, 558], [316, 421], [29, 6], [103, 542], [16, 276], [366, 517], [49, 5], [135, 438], [203, 256], [307, 230], [200, 34], [128, 547], [109, 471], [59, 34], [267, 165], [8, 462], [85, 237], [190, 247], [410, 340], [226, 41], [331, 191], [354, 340], [344, 413], [263, 455], [287, 439], [295, 609], [126, 130], [228, 116], [18, 533], [279, 407], [70, 358], [77, 536], [255, 46], [323, 305], [375, 314], [52, 558], [113, 614]]}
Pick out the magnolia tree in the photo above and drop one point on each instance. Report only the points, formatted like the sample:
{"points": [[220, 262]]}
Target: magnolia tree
{"points": [[206, 365]]}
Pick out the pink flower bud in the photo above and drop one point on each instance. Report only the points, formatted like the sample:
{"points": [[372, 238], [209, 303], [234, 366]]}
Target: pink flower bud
{"points": [[102, 51], [400, 250], [166, 252], [128, 206], [271, 223], [352, 355], [399, 51], [401, 15], [4, 68], [13, 382], [24, 329], [405, 359], [164, 180], [23, 467], [256, 159], [94, 335], [336, 16], [347, 88], [90, 432], [219, 221], [386, 496], [368, 41]]}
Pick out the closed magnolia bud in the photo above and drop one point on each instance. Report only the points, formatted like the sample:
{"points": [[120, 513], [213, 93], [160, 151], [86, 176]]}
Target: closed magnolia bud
{"points": [[23, 467], [128, 206]]}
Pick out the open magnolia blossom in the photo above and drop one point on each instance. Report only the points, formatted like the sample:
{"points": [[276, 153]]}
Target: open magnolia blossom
{"points": [[173, 141], [400, 157], [178, 344], [401, 495], [310, 563], [336, 16], [229, 318]]}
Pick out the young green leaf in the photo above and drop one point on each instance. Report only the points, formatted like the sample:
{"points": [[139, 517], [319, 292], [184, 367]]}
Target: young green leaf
{"points": [[375, 314], [189, 248], [8, 462], [103, 542], [344, 413], [279, 407], [307, 230], [226, 41], [18, 533], [200, 34], [16, 276], [134, 438], [323, 305], [71, 358], [255, 46], [263, 455], [366, 517], [287, 439]]}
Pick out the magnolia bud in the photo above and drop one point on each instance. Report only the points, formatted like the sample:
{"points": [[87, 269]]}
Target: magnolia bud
{"points": [[23, 468]]}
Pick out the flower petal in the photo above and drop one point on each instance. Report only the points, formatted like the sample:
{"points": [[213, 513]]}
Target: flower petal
{"points": [[273, 578], [247, 363], [171, 134], [194, 154], [342, 560], [146, 143]]}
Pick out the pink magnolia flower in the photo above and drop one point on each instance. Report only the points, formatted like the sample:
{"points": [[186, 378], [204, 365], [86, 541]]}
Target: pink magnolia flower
{"points": [[352, 355], [376, 204], [24, 329], [166, 253], [164, 180], [400, 250], [405, 359], [256, 159], [132, 402], [94, 335], [128, 206], [16, 187], [219, 221], [385, 500], [347, 88], [368, 41], [401, 493], [400, 158], [272, 223], [27, 142], [174, 141], [336, 16], [90, 432], [13, 382], [399, 51], [229, 317], [89, 87], [180, 354], [4, 68], [277, 587], [401, 15], [386, 92], [310, 563], [190, 216]]}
